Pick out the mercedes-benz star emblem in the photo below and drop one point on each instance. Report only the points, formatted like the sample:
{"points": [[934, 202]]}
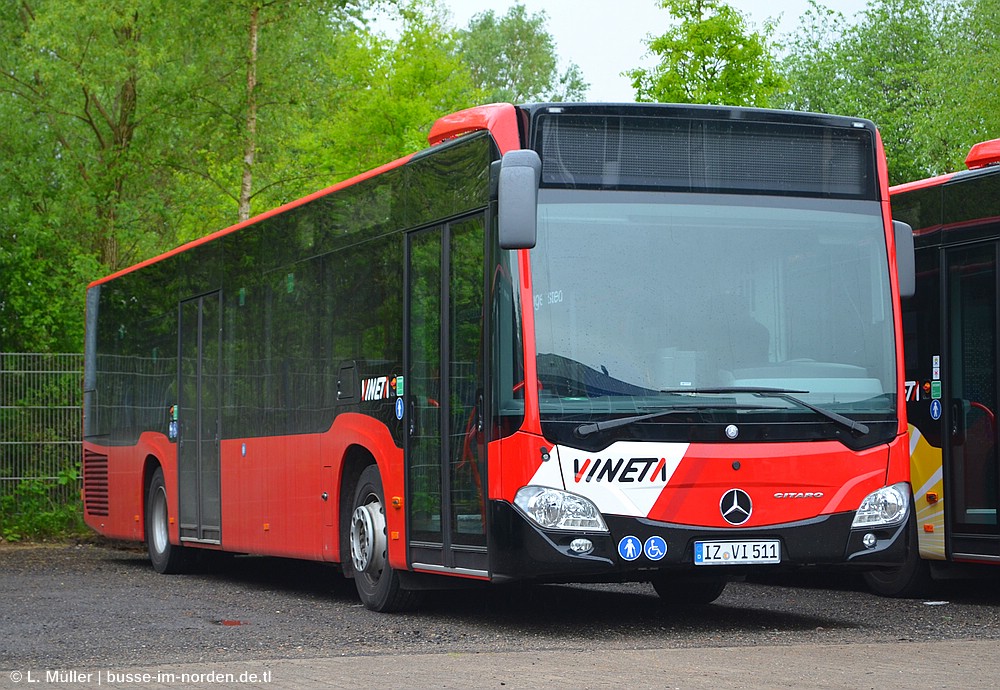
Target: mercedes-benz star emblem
{"points": [[736, 506]]}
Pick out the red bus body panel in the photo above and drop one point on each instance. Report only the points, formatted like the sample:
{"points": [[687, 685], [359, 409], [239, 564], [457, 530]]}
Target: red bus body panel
{"points": [[268, 507], [500, 119]]}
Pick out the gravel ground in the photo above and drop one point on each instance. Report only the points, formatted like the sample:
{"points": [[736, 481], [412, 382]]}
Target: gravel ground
{"points": [[90, 605]]}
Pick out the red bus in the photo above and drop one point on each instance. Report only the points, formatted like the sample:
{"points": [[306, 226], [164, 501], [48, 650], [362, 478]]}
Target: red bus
{"points": [[566, 342], [952, 390]]}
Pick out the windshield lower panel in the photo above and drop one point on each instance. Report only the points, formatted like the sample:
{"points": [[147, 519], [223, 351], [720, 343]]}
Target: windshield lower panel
{"points": [[642, 300]]}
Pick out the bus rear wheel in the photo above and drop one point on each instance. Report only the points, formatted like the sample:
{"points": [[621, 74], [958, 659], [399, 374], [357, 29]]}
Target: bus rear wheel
{"points": [[377, 582], [165, 557]]}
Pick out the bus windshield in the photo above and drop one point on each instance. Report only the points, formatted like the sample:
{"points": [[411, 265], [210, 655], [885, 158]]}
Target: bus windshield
{"points": [[643, 301]]}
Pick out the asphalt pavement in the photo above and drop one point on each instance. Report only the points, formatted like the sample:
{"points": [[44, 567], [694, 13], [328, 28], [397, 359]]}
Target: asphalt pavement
{"points": [[949, 664], [83, 616]]}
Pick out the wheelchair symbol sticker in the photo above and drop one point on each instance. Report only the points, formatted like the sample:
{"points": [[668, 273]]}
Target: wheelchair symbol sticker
{"points": [[655, 548]]}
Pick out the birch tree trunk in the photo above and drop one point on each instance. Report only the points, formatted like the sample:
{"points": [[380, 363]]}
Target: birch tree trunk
{"points": [[250, 140]]}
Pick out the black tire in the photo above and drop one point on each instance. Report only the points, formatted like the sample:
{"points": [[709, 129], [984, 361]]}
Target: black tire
{"points": [[911, 580], [687, 593], [166, 558], [377, 582]]}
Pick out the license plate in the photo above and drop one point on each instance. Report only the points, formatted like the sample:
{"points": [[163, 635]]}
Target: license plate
{"points": [[737, 552]]}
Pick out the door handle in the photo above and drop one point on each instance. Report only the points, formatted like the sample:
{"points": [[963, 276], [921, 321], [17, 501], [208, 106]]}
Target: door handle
{"points": [[957, 421]]}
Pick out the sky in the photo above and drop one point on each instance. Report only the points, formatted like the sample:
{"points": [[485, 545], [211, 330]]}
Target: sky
{"points": [[605, 37]]}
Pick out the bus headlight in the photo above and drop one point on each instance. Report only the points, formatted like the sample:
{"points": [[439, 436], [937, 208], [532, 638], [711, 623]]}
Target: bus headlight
{"points": [[557, 509], [887, 506]]}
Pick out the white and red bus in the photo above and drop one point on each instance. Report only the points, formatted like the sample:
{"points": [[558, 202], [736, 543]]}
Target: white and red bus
{"points": [[566, 342], [953, 392]]}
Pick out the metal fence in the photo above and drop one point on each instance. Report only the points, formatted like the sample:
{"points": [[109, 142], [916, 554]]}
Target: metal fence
{"points": [[40, 420]]}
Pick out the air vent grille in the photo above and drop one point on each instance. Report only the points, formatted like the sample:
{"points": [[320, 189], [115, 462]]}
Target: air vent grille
{"points": [[95, 483], [701, 155]]}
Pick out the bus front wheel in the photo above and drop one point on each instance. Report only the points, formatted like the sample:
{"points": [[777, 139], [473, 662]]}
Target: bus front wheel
{"points": [[377, 582], [166, 558]]}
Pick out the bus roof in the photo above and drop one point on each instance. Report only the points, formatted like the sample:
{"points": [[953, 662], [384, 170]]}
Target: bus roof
{"points": [[500, 119], [981, 155], [256, 219]]}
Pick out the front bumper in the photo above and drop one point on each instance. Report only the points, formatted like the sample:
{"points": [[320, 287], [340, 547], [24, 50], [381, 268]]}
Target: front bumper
{"points": [[523, 550]]}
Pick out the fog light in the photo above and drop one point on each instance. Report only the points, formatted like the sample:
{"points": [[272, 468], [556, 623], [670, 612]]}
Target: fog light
{"points": [[581, 546], [869, 540]]}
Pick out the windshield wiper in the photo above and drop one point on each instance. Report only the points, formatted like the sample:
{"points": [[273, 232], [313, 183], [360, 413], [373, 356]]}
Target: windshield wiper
{"points": [[594, 427], [783, 394]]}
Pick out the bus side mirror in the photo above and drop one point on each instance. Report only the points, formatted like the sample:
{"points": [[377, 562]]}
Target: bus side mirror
{"points": [[520, 172], [905, 259]]}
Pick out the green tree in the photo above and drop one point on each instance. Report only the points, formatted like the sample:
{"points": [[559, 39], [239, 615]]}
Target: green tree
{"points": [[261, 81], [42, 271], [878, 68], [963, 78], [711, 56], [82, 93], [72, 73], [385, 94], [130, 126], [513, 59], [124, 124]]}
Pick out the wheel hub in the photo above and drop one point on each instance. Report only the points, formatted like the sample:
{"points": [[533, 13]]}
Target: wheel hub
{"points": [[158, 524], [368, 542]]}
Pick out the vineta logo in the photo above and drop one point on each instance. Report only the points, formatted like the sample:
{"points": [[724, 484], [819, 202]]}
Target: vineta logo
{"points": [[379, 388], [622, 470], [736, 506]]}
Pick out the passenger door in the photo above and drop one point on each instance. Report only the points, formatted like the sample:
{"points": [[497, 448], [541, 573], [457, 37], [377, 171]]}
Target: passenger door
{"points": [[445, 448], [971, 377], [199, 420]]}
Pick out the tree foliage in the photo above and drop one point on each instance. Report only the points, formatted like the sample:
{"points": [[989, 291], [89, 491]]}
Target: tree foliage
{"points": [[261, 79], [71, 73], [711, 56], [922, 70], [513, 59], [389, 92], [876, 69], [79, 194], [131, 126], [965, 84]]}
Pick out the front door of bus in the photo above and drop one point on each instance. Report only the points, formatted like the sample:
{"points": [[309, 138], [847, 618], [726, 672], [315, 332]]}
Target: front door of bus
{"points": [[445, 461], [971, 375], [198, 478]]}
